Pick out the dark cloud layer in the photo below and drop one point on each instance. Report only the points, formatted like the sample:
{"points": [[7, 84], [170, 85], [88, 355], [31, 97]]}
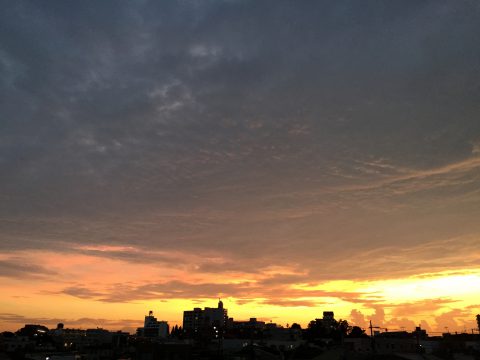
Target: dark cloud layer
{"points": [[22, 269], [312, 134]]}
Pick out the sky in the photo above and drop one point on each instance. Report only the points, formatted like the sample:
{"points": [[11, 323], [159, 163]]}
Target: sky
{"points": [[289, 157]]}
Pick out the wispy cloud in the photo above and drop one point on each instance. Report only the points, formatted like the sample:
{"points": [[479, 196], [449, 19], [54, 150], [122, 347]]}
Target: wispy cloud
{"points": [[246, 291], [18, 268]]}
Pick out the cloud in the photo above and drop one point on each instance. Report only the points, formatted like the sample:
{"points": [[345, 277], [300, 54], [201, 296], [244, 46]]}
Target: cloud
{"points": [[422, 308], [81, 292], [292, 303], [357, 318], [378, 317], [455, 319], [246, 291], [401, 317], [132, 255], [381, 322], [403, 323], [18, 269], [410, 180], [403, 260]]}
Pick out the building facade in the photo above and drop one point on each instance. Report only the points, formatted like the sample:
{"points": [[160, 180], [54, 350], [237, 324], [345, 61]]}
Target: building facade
{"points": [[153, 327], [198, 321]]}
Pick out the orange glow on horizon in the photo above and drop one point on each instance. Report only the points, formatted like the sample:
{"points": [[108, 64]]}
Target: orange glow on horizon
{"points": [[408, 300]]}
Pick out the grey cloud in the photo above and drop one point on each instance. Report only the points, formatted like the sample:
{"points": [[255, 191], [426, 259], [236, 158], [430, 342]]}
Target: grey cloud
{"points": [[228, 127], [402, 260], [81, 292], [134, 256], [23, 269], [136, 116], [282, 279], [230, 266]]}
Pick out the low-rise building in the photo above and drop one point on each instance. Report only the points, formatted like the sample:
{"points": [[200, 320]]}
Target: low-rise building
{"points": [[153, 327]]}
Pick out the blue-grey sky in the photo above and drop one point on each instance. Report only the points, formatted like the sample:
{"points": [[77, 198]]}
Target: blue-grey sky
{"points": [[334, 139]]}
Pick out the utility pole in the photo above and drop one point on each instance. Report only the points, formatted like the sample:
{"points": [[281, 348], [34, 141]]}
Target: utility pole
{"points": [[372, 339]]}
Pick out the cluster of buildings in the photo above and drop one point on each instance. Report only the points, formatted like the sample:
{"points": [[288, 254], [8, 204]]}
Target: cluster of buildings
{"points": [[37, 342], [212, 323], [209, 333]]}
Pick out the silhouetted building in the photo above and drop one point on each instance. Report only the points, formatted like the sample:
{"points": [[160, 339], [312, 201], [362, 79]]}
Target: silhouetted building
{"points": [[193, 320], [251, 329], [461, 342], [153, 328], [10, 342], [253, 323], [198, 321], [33, 331], [328, 316], [215, 316], [420, 334], [382, 345], [98, 336], [328, 319]]}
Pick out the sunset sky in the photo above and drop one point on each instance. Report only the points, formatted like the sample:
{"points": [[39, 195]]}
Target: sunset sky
{"points": [[290, 157]]}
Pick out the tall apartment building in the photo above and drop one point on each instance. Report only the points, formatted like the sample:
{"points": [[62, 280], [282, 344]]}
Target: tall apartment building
{"points": [[197, 320]]}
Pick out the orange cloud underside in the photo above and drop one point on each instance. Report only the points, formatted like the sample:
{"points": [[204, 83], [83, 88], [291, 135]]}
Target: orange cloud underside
{"points": [[116, 294]]}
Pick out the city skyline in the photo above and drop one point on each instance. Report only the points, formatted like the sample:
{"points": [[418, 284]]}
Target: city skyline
{"points": [[283, 156], [218, 318]]}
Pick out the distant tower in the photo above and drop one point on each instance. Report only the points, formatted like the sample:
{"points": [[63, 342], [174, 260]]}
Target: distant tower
{"points": [[220, 304], [478, 323]]}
